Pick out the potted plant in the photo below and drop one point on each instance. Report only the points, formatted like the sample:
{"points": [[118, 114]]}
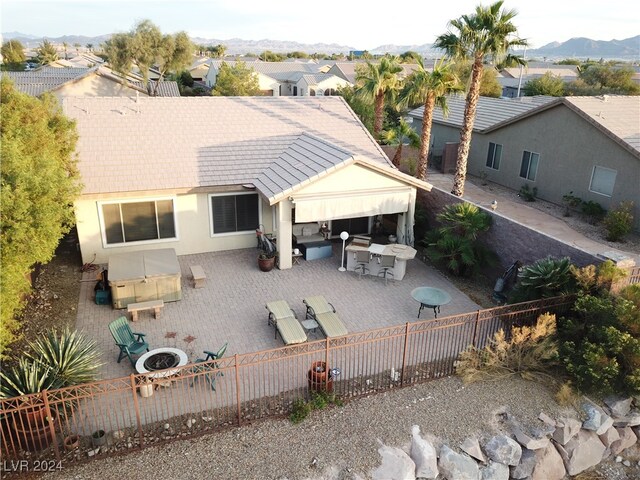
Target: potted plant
{"points": [[267, 252], [98, 438], [71, 442]]}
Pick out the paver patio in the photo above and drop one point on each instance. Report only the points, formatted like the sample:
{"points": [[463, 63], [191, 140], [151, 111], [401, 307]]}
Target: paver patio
{"points": [[231, 305]]}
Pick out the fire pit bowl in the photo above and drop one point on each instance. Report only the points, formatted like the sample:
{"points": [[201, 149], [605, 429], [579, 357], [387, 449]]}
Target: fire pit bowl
{"points": [[159, 362]]}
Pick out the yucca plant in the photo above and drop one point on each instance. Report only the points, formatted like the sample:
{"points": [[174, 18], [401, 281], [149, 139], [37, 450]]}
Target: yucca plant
{"points": [[545, 278], [72, 359], [25, 378]]}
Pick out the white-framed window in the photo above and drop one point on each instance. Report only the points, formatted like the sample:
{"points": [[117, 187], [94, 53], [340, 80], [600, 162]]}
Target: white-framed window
{"points": [[494, 155], [128, 221], [232, 213], [529, 165], [603, 180]]}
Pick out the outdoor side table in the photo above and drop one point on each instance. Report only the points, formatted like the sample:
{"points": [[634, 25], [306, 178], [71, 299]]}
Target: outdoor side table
{"points": [[430, 297], [310, 325]]}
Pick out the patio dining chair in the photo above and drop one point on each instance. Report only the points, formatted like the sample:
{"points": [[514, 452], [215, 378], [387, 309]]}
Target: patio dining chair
{"points": [[387, 262], [324, 313], [130, 343], [284, 320], [362, 262], [205, 365]]}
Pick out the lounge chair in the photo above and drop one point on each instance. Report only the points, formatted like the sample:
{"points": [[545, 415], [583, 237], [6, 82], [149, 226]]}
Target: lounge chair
{"points": [[325, 314], [284, 319], [202, 366], [130, 343]]}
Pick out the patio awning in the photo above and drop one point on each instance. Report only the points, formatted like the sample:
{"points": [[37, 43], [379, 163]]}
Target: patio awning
{"points": [[334, 206]]}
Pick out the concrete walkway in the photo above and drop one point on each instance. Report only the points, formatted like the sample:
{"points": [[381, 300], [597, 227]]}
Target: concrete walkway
{"points": [[532, 217]]}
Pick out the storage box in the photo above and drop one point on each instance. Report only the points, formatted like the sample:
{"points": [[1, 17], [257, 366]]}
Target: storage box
{"points": [[316, 250]]}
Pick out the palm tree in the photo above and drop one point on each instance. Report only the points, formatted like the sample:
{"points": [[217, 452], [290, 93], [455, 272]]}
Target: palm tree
{"points": [[488, 32], [46, 53], [65, 45], [396, 136], [90, 47], [431, 89], [379, 82]]}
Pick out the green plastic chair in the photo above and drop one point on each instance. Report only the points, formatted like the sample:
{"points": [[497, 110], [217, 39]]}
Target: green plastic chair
{"points": [[205, 367], [130, 343]]}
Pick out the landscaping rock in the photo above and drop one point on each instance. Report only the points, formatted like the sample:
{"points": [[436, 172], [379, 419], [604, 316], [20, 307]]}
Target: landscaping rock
{"points": [[549, 465], [610, 436], [504, 450], [618, 406], [471, 446], [396, 465], [456, 466], [627, 439], [582, 452], [597, 420], [566, 429], [494, 471], [527, 463], [528, 442], [424, 455], [547, 419], [630, 420]]}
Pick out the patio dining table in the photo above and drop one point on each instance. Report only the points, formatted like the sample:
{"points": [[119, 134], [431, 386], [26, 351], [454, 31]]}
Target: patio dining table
{"points": [[430, 297]]}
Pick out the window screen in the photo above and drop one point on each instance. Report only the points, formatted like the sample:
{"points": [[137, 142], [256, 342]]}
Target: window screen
{"points": [[603, 180]]}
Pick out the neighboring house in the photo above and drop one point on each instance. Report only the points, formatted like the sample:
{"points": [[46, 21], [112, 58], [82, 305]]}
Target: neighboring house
{"points": [[285, 78], [586, 145], [199, 68], [72, 82], [513, 79], [83, 60], [347, 70], [201, 174]]}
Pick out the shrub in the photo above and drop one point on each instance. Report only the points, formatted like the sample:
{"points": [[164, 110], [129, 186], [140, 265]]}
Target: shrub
{"points": [[529, 352], [571, 202], [456, 243], [608, 274], [319, 400], [619, 222], [585, 278], [547, 277], [300, 410], [594, 211], [529, 195]]}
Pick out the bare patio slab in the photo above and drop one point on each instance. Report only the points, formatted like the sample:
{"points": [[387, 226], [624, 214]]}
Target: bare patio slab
{"points": [[230, 307]]}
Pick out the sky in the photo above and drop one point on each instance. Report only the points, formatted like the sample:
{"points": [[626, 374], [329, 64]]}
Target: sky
{"points": [[362, 25]]}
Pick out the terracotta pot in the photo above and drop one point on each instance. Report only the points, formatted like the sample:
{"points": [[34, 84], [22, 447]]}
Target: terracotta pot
{"points": [[34, 433], [266, 264], [320, 378], [71, 442]]}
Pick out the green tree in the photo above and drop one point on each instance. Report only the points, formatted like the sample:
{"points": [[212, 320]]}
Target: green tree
{"points": [[269, 56], [379, 83], [489, 84], [46, 53], [89, 47], [547, 84], [430, 88], [236, 81], [39, 184], [13, 54], [396, 137], [362, 108], [218, 51], [410, 57], [297, 54], [488, 33]]}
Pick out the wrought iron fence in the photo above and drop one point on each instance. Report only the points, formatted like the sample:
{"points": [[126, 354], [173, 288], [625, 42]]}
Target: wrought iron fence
{"points": [[109, 416]]}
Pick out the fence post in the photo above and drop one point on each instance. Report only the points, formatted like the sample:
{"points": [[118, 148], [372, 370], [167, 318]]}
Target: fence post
{"points": [[404, 352], [238, 389], [326, 354], [475, 329], [136, 405], [52, 427]]}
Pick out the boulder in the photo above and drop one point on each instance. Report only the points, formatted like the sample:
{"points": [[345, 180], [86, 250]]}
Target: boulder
{"points": [[618, 406], [423, 455], [503, 449], [610, 436], [396, 465], [494, 471], [547, 419], [626, 440], [632, 419], [597, 420], [471, 446], [582, 452], [566, 429], [529, 442], [456, 466], [549, 465], [527, 463]]}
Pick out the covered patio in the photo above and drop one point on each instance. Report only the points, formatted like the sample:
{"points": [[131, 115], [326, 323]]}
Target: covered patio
{"points": [[231, 305]]}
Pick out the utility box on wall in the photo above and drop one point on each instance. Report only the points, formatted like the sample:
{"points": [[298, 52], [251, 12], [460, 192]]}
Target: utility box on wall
{"points": [[143, 276], [449, 157]]}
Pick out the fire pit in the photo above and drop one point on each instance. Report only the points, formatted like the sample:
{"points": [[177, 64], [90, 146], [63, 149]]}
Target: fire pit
{"points": [[161, 359]]}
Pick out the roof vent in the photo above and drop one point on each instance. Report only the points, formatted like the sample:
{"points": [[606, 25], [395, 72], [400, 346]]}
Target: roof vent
{"points": [[605, 98]]}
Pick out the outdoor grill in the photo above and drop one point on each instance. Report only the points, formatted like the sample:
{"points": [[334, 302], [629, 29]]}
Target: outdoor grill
{"points": [[161, 361]]}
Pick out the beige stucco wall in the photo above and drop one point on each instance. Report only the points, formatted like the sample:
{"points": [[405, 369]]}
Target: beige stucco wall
{"points": [[96, 86], [333, 83], [349, 179], [192, 226]]}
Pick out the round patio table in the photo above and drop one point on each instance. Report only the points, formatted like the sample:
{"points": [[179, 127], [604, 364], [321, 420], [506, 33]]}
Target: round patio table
{"points": [[430, 297]]}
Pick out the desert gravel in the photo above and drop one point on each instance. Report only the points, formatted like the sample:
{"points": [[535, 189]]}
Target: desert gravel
{"points": [[339, 442]]}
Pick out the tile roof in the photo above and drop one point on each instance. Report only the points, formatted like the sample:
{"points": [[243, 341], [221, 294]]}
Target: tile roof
{"points": [[44, 79], [281, 71], [489, 113], [167, 88], [184, 143], [348, 69]]}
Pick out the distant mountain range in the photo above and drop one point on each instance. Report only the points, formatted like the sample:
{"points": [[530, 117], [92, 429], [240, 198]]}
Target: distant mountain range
{"points": [[627, 49]]}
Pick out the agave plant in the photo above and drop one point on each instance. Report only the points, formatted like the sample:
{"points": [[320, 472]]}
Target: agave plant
{"points": [[25, 378], [71, 358], [546, 277]]}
